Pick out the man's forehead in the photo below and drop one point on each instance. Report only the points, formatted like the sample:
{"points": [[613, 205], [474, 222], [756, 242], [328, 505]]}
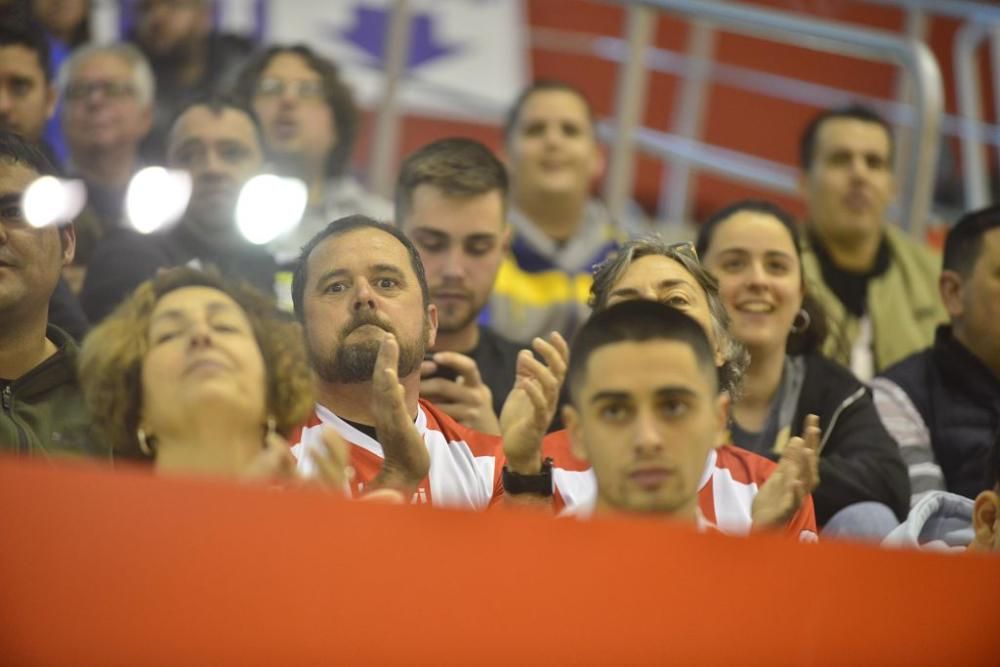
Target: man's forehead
{"points": [[991, 245], [555, 100], [358, 250], [852, 132], [20, 59], [102, 63], [610, 368], [15, 177], [206, 123], [432, 210]]}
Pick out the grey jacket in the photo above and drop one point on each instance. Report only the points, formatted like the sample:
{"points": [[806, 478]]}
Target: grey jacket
{"points": [[941, 521]]}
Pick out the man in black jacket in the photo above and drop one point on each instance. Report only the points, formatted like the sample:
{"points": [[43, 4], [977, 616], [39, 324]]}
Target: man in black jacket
{"points": [[41, 409], [942, 405], [218, 142]]}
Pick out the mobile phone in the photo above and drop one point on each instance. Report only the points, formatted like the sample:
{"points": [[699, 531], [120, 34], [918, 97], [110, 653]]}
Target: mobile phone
{"points": [[441, 371]]}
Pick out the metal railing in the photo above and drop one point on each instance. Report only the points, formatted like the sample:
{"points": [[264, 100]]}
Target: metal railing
{"points": [[816, 34]]}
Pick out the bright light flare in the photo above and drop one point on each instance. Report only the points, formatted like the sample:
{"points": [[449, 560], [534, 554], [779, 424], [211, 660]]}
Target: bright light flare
{"points": [[270, 206], [157, 198], [51, 201]]}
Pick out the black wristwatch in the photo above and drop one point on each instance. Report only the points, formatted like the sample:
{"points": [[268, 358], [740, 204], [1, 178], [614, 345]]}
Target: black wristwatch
{"points": [[539, 485]]}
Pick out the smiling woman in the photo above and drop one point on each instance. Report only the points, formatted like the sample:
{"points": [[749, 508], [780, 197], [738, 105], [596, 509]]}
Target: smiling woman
{"points": [[199, 376], [752, 248]]}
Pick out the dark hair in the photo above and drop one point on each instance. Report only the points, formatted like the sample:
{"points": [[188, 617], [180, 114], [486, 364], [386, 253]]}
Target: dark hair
{"points": [[812, 337], [341, 226], [217, 103], [339, 99], [807, 142], [996, 462], [17, 150], [29, 35], [542, 85], [637, 321], [459, 167], [965, 239]]}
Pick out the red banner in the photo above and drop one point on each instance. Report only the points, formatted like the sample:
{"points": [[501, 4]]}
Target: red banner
{"points": [[102, 567]]}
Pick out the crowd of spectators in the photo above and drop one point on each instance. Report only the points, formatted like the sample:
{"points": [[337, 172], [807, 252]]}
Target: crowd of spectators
{"points": [[491, 337]]}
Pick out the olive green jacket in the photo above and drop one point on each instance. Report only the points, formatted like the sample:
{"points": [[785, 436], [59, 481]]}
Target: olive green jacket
{"points": [[42, 412], [903, 303]]}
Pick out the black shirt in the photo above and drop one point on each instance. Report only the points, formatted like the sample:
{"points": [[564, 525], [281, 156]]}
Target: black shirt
{"points": [[850, 287], [496, 358], [124, 259]]}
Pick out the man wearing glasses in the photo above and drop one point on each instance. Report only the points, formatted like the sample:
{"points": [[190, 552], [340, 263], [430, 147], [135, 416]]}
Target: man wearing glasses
{"points": [[310, 123], [108, 94]]}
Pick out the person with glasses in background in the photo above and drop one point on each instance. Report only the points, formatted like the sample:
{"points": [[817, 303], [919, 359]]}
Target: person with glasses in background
{"points": [[108, 93], [190, 59], [310, 124]]}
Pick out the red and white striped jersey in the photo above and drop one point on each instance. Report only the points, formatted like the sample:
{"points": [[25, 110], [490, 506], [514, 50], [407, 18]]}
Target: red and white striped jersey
{"points": [[726, 490], [465, 467]]}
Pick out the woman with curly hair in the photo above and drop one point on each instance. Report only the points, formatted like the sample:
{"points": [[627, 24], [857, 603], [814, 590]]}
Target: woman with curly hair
{"points": [[201, 377]]}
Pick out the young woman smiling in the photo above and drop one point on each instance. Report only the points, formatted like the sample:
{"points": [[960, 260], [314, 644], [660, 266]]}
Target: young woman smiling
{"points": [[752, 248]]}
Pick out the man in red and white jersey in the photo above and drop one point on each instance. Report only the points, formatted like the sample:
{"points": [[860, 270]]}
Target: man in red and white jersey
{"points": [[653, 270], [360, 292], [727, 489], [646, 415]]}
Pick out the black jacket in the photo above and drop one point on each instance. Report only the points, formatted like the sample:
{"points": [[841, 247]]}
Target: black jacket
{"points": [[959, 400], [124, 259], [859, 460]]}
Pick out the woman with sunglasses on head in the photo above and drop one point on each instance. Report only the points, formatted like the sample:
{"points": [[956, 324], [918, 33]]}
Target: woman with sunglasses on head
{"points": [[752, 248], [200, 377]]}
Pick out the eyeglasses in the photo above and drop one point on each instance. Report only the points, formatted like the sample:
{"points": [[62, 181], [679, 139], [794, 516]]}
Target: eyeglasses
{"points": [[304, 90], [115, 90]]}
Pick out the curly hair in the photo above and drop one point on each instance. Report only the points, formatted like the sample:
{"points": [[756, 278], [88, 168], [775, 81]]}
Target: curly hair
{"points": [[610, 271], [110, 363]]}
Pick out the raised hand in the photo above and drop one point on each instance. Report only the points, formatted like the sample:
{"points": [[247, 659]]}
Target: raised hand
{"points": [[796, 476], [407, 460], [466, 399], [532, 403]]}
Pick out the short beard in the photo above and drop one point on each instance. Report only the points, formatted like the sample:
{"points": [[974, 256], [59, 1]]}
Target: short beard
{"points": [[448, 328], [354, 363]]}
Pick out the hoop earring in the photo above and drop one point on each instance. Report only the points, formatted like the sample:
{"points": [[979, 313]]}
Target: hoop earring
{"points": [[144, 445], [798, 326]]}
